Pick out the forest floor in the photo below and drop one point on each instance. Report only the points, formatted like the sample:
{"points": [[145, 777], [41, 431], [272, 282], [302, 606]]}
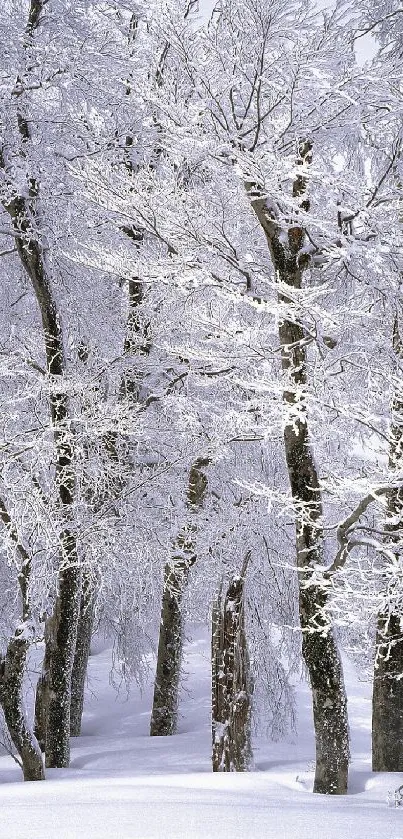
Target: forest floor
{"points": [[122, 784]]}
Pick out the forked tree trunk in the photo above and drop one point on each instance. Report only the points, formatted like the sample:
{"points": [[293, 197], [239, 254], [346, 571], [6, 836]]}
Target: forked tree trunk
{"points": [[387, 698], [318, 644], [164, 717], [231, 682]]}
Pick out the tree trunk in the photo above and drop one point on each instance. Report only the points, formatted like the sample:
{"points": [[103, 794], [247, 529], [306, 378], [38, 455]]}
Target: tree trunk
{"points": [[231, 683], [42, 689], [12, 668], [319, 648], [79, 670], [22, 207], [137, 339], [285, 242], [323, 662], [62, 640], [83, 643], [387, 697], [62, 652], [62, 643], [164, 717]]}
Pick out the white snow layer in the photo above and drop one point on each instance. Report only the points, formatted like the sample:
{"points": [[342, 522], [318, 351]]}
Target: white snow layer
{"points": [[122, 784]]}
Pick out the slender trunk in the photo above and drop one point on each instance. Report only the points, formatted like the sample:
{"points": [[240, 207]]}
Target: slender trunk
{"points": [[12, 668], [83, 643], [64, 628], [22, 208], [319, 647], [136, 342], [387, 698], [61, 638], [164, 717], [63, 644], [42, 691], [231, 682]]}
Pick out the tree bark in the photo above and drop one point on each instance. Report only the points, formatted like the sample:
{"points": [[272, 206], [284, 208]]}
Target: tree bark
{"points": [[23, 211], [83, 643], [12, 668], [387, 697], [42, 691], [62, 650], [164, 717], [319, 647], [231, 682], [63, 637]]}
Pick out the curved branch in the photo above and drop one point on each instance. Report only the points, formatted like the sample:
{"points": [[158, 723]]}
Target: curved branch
{"points": [[346, 528]]}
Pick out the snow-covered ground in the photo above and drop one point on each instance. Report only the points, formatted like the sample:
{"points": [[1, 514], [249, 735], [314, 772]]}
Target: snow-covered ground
{"points": [[122, 784]]}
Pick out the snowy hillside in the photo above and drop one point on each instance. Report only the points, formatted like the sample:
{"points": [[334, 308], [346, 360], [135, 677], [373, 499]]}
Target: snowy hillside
{"points": [[126, 785]]}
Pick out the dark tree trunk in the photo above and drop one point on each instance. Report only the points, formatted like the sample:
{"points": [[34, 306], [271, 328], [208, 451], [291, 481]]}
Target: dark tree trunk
{"points": [[22, 208], [83, 643], [322, 659], [63, 644], [60, 657], [164, 715], [137, 340], [12, 668], [319, 648], [387, 698], [42, 689], [318, 644], [231, 682]]}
